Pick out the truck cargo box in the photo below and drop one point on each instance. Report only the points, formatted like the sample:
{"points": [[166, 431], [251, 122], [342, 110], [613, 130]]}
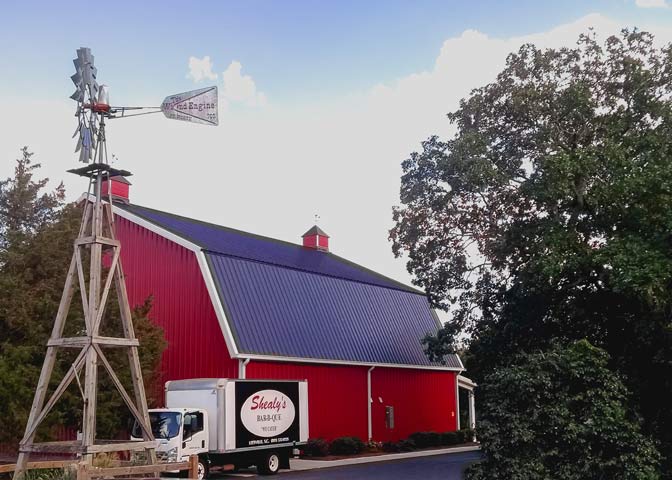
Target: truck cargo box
{"points": [[246, 414]]}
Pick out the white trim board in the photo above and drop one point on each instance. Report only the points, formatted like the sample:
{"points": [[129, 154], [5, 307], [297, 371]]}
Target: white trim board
{"points": [[326, 361], [466, 383]]}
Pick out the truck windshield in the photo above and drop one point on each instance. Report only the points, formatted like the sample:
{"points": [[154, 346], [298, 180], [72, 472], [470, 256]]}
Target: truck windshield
{"points": [[164, 425]]}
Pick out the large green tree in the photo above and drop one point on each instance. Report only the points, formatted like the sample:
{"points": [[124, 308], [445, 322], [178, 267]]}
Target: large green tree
{"points": [[37, 231], [548, 216]]}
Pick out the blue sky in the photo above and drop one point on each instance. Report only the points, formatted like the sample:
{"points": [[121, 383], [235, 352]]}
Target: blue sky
{"points": [[320, 101], [297, 51]]}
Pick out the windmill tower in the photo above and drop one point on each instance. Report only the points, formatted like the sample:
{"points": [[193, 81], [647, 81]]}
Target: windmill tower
{"points": [[95, 242]]}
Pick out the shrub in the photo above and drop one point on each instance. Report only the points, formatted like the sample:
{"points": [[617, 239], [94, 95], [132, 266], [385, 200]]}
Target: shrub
{"points": [[347, 446], [407, 445], [316, 447], [468, 435], [426, 439], [373, 446], [560, 414], [390, 447], [449, 438], [460, 436]]}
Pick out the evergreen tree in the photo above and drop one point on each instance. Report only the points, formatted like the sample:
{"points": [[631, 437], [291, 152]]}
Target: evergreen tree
{"points": [[37, 231]]}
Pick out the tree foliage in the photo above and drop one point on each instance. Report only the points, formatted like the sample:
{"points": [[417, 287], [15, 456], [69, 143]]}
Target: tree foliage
{"points": [[560, 414], [37, 231], [548, 216]]}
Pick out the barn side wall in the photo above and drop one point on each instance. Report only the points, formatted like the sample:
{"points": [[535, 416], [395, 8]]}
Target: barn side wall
{"points": [[170, 273], [423, 400]]}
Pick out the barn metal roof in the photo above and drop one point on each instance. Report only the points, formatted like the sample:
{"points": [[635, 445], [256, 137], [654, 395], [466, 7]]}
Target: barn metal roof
{"points": [[236, 243], [286, 300]]}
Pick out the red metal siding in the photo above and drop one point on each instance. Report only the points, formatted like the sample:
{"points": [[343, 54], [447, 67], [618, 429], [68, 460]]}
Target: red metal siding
{"points": [[170, 273], [423, 400], [336, 395]]}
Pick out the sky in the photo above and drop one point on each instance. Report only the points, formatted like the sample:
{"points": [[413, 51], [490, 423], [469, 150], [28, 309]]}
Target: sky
{"points": [[320, 102]]}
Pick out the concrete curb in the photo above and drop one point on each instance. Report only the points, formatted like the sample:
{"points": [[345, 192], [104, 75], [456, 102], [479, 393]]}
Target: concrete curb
{"points": [[298, 464]]}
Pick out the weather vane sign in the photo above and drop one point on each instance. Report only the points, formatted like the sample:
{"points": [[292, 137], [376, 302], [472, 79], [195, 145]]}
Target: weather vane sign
{"points": [[198, 106]]}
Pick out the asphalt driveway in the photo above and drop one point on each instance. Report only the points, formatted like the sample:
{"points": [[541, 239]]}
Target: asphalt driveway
{"points": [[436, 467]]}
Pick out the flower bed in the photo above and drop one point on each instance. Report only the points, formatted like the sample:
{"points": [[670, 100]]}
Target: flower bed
{"points": [[347, 447]]}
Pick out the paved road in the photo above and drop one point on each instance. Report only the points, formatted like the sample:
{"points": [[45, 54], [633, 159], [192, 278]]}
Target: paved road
{"points": [[435, 467]]}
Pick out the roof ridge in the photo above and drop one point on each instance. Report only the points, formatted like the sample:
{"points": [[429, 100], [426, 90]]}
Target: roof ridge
{"points": [[395, 284]]}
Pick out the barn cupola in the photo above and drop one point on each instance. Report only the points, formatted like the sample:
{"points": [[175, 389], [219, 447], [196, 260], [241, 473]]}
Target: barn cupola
{"points": [[316, 238], [117, 187]]}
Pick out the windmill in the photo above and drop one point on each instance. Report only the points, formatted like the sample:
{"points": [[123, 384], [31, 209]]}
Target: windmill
{"points": [[97, 240]]}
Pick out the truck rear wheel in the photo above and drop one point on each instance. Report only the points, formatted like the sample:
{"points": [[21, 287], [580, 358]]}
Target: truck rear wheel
{"points": [[270, 463]]}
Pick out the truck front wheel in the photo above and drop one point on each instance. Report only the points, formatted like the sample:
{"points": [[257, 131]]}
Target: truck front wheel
{"points": [[270, 463], [203, 468]]}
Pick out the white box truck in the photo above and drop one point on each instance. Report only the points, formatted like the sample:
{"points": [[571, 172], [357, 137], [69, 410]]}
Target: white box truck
{"points": [[231, 423]]}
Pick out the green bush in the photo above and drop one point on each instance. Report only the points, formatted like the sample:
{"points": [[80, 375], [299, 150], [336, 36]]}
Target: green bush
{"points": [[560, 414], [390, 447], [347, 446], [407, 445], [459, 434], [449, 438], [467, 435], [316, 447], [426, 439]]}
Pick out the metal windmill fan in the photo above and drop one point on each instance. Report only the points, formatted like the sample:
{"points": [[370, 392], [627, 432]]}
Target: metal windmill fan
{"points": [[86, 96], [93, 107]]}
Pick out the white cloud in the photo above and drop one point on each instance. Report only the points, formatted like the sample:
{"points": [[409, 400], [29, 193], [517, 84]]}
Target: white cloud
{"points": [[241, 88], [201, 69], [270, 170], [651, 3]]}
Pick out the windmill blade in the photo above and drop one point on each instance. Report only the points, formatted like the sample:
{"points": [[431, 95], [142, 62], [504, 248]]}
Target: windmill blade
{"points": [[84, 155], [84, 55], [196, 106]]}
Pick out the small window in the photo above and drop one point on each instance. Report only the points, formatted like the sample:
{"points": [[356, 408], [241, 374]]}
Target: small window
{"points": [[193, 423]]}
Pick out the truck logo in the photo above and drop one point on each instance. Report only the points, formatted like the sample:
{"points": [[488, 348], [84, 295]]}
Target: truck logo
{"points": [[267, 413]]}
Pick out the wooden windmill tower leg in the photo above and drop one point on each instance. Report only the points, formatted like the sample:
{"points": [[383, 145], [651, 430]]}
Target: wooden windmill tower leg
{"points": [[98, 218], [49, 361]]}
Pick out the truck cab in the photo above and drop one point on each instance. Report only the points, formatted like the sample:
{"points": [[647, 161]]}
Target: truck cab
{"points": [[180, 432]]}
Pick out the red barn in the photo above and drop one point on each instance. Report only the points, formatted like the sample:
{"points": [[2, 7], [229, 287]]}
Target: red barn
{"points": [[238, 305]]}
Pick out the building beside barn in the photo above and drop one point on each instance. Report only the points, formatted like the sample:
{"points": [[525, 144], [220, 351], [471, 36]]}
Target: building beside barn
{"points": [[238, 305]]}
